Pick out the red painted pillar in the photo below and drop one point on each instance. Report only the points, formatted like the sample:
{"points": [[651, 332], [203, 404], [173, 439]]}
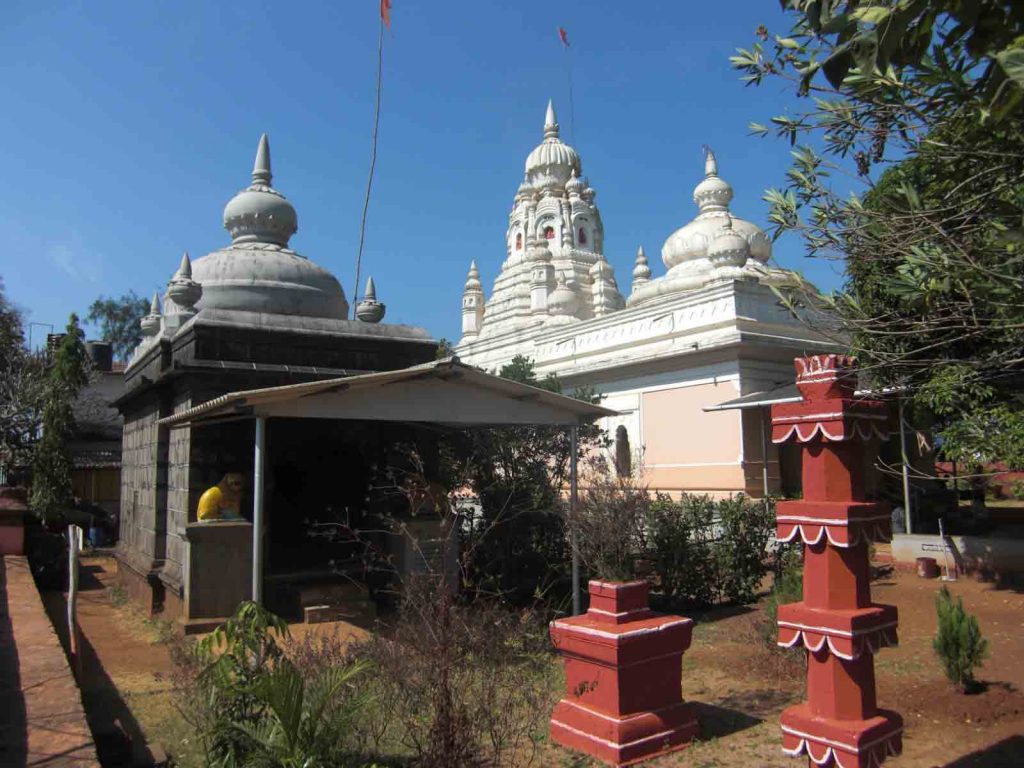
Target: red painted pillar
{"points": [[623, 678], [840, 723]]}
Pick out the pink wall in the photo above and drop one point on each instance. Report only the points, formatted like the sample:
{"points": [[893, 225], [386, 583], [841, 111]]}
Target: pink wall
{"points": [[687, 449]]}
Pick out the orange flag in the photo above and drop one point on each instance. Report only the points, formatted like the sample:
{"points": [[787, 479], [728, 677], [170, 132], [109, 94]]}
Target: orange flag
{"points": [[385, 12], [564, 36]]}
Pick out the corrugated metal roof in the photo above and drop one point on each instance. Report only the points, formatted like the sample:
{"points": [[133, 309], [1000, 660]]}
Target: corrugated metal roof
{"points": [[560, 409]]}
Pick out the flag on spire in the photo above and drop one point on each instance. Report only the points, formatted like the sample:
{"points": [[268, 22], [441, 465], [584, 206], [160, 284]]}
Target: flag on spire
{"points": [[564, 36], [385, 12]]}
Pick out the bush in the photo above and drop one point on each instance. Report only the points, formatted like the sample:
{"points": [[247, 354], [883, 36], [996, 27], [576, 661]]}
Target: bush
{"points": [[958, 642], [250, 705], [609, 524], [454, 684], [788, 588], [705, 551]]}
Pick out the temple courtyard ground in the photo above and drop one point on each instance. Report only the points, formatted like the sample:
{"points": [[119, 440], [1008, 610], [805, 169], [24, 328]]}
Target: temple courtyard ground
{"points": [[738, 686]]}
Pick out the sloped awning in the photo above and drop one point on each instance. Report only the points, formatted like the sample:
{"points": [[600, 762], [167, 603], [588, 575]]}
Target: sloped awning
{"points": [[784, 394], [445, 392]]}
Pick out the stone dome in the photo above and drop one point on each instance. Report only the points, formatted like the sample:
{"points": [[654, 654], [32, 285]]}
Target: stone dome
{"points": [[259, 213], [691, 242], [258, 272], [728, 248], [552, 162], [563, 301]]}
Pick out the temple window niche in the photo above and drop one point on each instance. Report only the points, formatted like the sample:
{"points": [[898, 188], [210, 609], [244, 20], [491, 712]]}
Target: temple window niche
{"points": [[582, 239], [623, 453], [549, 233], [519, 241]]}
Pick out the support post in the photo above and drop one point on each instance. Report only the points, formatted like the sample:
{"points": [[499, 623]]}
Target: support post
{"points": [[904, 464], [74, 546], [574, 438], [257, 508], [764, 452]]}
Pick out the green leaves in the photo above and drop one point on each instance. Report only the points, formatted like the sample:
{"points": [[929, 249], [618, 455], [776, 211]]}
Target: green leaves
{"points": [[958, 642]]}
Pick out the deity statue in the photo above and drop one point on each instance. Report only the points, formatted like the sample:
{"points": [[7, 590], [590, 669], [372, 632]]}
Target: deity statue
{"points": [[221, 501]]}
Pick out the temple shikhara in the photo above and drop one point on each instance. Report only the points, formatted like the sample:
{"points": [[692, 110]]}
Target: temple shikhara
{"points": [[707, 330]]}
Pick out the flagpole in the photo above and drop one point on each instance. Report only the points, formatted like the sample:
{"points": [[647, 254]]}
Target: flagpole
{"points": [[572, 106], [373, 161]]}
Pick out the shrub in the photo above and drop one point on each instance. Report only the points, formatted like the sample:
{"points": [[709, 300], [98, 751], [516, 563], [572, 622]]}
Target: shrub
{"points": [[609, 524], [788, 588], [958, 642], [456, 684], [741, 548], [252, 706], [704, 551]]}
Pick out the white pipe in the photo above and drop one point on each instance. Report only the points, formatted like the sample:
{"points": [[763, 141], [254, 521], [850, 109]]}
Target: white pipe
{"points": [[764, 454], [906, 470], [257, 508], [573, 492]]}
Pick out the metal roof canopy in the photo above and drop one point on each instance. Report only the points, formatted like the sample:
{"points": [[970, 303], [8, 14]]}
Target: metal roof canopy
{"points": [[787, 393], [445, 392]]}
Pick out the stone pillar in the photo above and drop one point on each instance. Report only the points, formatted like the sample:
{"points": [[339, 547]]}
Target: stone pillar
{"points": [[623, 677], [840, 723]]}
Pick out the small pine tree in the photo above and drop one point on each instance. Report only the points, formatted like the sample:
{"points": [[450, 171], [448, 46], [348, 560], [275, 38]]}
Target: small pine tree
{"points": [[52, 462], [958, 643]]}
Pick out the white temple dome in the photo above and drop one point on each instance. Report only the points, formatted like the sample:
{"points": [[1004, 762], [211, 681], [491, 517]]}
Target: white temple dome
{"points": [[552, 162], [257, 272], [691, 242], [729, 248], [563, 301]]}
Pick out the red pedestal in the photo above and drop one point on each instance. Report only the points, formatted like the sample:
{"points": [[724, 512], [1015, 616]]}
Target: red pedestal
{"points": [[623, 676], [840, 723]]}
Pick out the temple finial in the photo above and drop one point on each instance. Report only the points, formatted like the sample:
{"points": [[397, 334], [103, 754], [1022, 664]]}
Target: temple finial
{"points": [[371, 290], [550, 122], [261, 168], [185, 269], [710, 163], [154, 305]]}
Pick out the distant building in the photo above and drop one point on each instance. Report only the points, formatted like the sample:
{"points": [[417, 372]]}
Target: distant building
{"points": [[706, 331], [96, 446]]}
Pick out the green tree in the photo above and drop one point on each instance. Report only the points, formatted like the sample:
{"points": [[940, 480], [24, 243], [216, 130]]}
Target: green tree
{"points": [[919, 102], [958, 642], [21, 388], [518, 546], [119, 321], [52, 462]]}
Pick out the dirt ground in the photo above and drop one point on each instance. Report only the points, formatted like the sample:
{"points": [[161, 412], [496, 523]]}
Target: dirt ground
{"points": [[738, 688]]}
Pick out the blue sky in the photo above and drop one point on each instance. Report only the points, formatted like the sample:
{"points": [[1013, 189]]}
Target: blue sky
{"points": [[126, 127]]}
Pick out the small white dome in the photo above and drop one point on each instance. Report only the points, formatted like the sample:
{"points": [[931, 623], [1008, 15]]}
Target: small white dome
{"points": [[563, 301], [260, 213], [692, 241], [728, 248], [552, 162]]}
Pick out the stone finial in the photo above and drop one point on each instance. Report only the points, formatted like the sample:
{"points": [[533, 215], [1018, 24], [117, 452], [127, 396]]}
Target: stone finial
{"points": [[261, 167], [710, 163], [183, 290], [151, 322], [550, 122], [369, 310], [641, 271], [473, 279]]}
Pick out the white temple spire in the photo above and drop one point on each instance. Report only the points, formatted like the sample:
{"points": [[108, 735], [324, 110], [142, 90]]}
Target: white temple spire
{"points": [[261, 168], [550, 122], [369, 310], [371, 290], [710, 163], [641, 270]]}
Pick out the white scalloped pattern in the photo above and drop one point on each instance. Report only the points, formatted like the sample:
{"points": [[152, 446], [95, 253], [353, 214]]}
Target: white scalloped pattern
{"points": [[860, 428], [871, 642], [825, 755], [868, 532]]}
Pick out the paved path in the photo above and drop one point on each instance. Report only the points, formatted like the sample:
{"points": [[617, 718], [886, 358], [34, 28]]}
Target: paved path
{"points": [[41, 718]]}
